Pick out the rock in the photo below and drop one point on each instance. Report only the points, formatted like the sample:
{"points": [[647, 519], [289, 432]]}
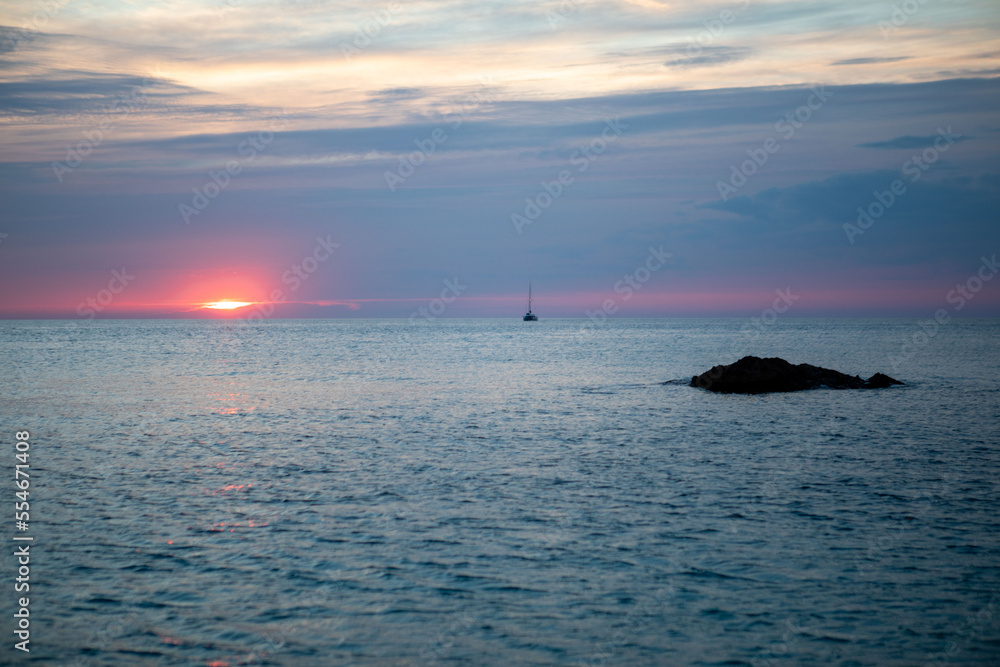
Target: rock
{"points": [[880, 381], [753, 375]]}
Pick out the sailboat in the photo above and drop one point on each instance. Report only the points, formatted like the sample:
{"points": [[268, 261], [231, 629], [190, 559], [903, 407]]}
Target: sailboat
{"points": [[530, 316]]}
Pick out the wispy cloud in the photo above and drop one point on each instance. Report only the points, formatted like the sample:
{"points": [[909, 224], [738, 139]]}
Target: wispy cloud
{"points": [[868, 61], [908, 142]]}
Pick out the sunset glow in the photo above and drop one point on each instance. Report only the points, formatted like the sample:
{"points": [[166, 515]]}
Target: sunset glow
{"points": [[243, 172], [227, 305]]}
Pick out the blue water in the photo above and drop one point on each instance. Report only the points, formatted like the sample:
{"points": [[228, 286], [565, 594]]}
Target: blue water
{"points": [[484, 492]]}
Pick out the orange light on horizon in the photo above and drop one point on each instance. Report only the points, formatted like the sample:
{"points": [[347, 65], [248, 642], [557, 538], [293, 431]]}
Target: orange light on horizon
{"points": [[227, 304]]}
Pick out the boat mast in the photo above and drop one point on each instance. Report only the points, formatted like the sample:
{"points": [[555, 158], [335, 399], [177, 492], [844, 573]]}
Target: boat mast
{"points": [[529, 297]]}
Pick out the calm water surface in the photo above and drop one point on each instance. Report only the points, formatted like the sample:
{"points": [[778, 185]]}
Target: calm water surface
{"points": [[473, 492]]}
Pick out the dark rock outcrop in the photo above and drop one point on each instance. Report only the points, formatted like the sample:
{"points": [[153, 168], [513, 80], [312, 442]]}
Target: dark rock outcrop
{"points": [[880, 381], [753, 375]]}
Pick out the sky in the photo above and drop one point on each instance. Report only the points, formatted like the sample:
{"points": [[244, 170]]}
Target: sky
{"points": [[431, 158]]}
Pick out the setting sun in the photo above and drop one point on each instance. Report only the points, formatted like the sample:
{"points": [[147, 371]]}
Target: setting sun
{"points": [[227, 305]]}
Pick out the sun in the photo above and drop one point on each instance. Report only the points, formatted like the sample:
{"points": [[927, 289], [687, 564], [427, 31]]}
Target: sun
{"points": [[226, 304]]}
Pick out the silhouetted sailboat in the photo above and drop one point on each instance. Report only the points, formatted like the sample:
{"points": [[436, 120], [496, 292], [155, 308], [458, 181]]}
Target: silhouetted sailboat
{"points": [[530, 316]]}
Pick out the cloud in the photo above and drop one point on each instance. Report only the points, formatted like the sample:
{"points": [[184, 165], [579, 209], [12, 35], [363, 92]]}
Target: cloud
{"points": [[547, 130], [392, 94], [908, 142], [72, 92], [120, 206], [11, 38], [869, 61], [708, 56], [932, 221]]}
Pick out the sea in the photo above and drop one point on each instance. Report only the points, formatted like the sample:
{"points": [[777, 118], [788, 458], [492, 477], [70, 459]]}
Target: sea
{"points": [[496, 492]]}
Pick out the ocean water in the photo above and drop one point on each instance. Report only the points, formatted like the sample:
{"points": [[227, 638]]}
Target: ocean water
{"points": [[486, 492]]}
